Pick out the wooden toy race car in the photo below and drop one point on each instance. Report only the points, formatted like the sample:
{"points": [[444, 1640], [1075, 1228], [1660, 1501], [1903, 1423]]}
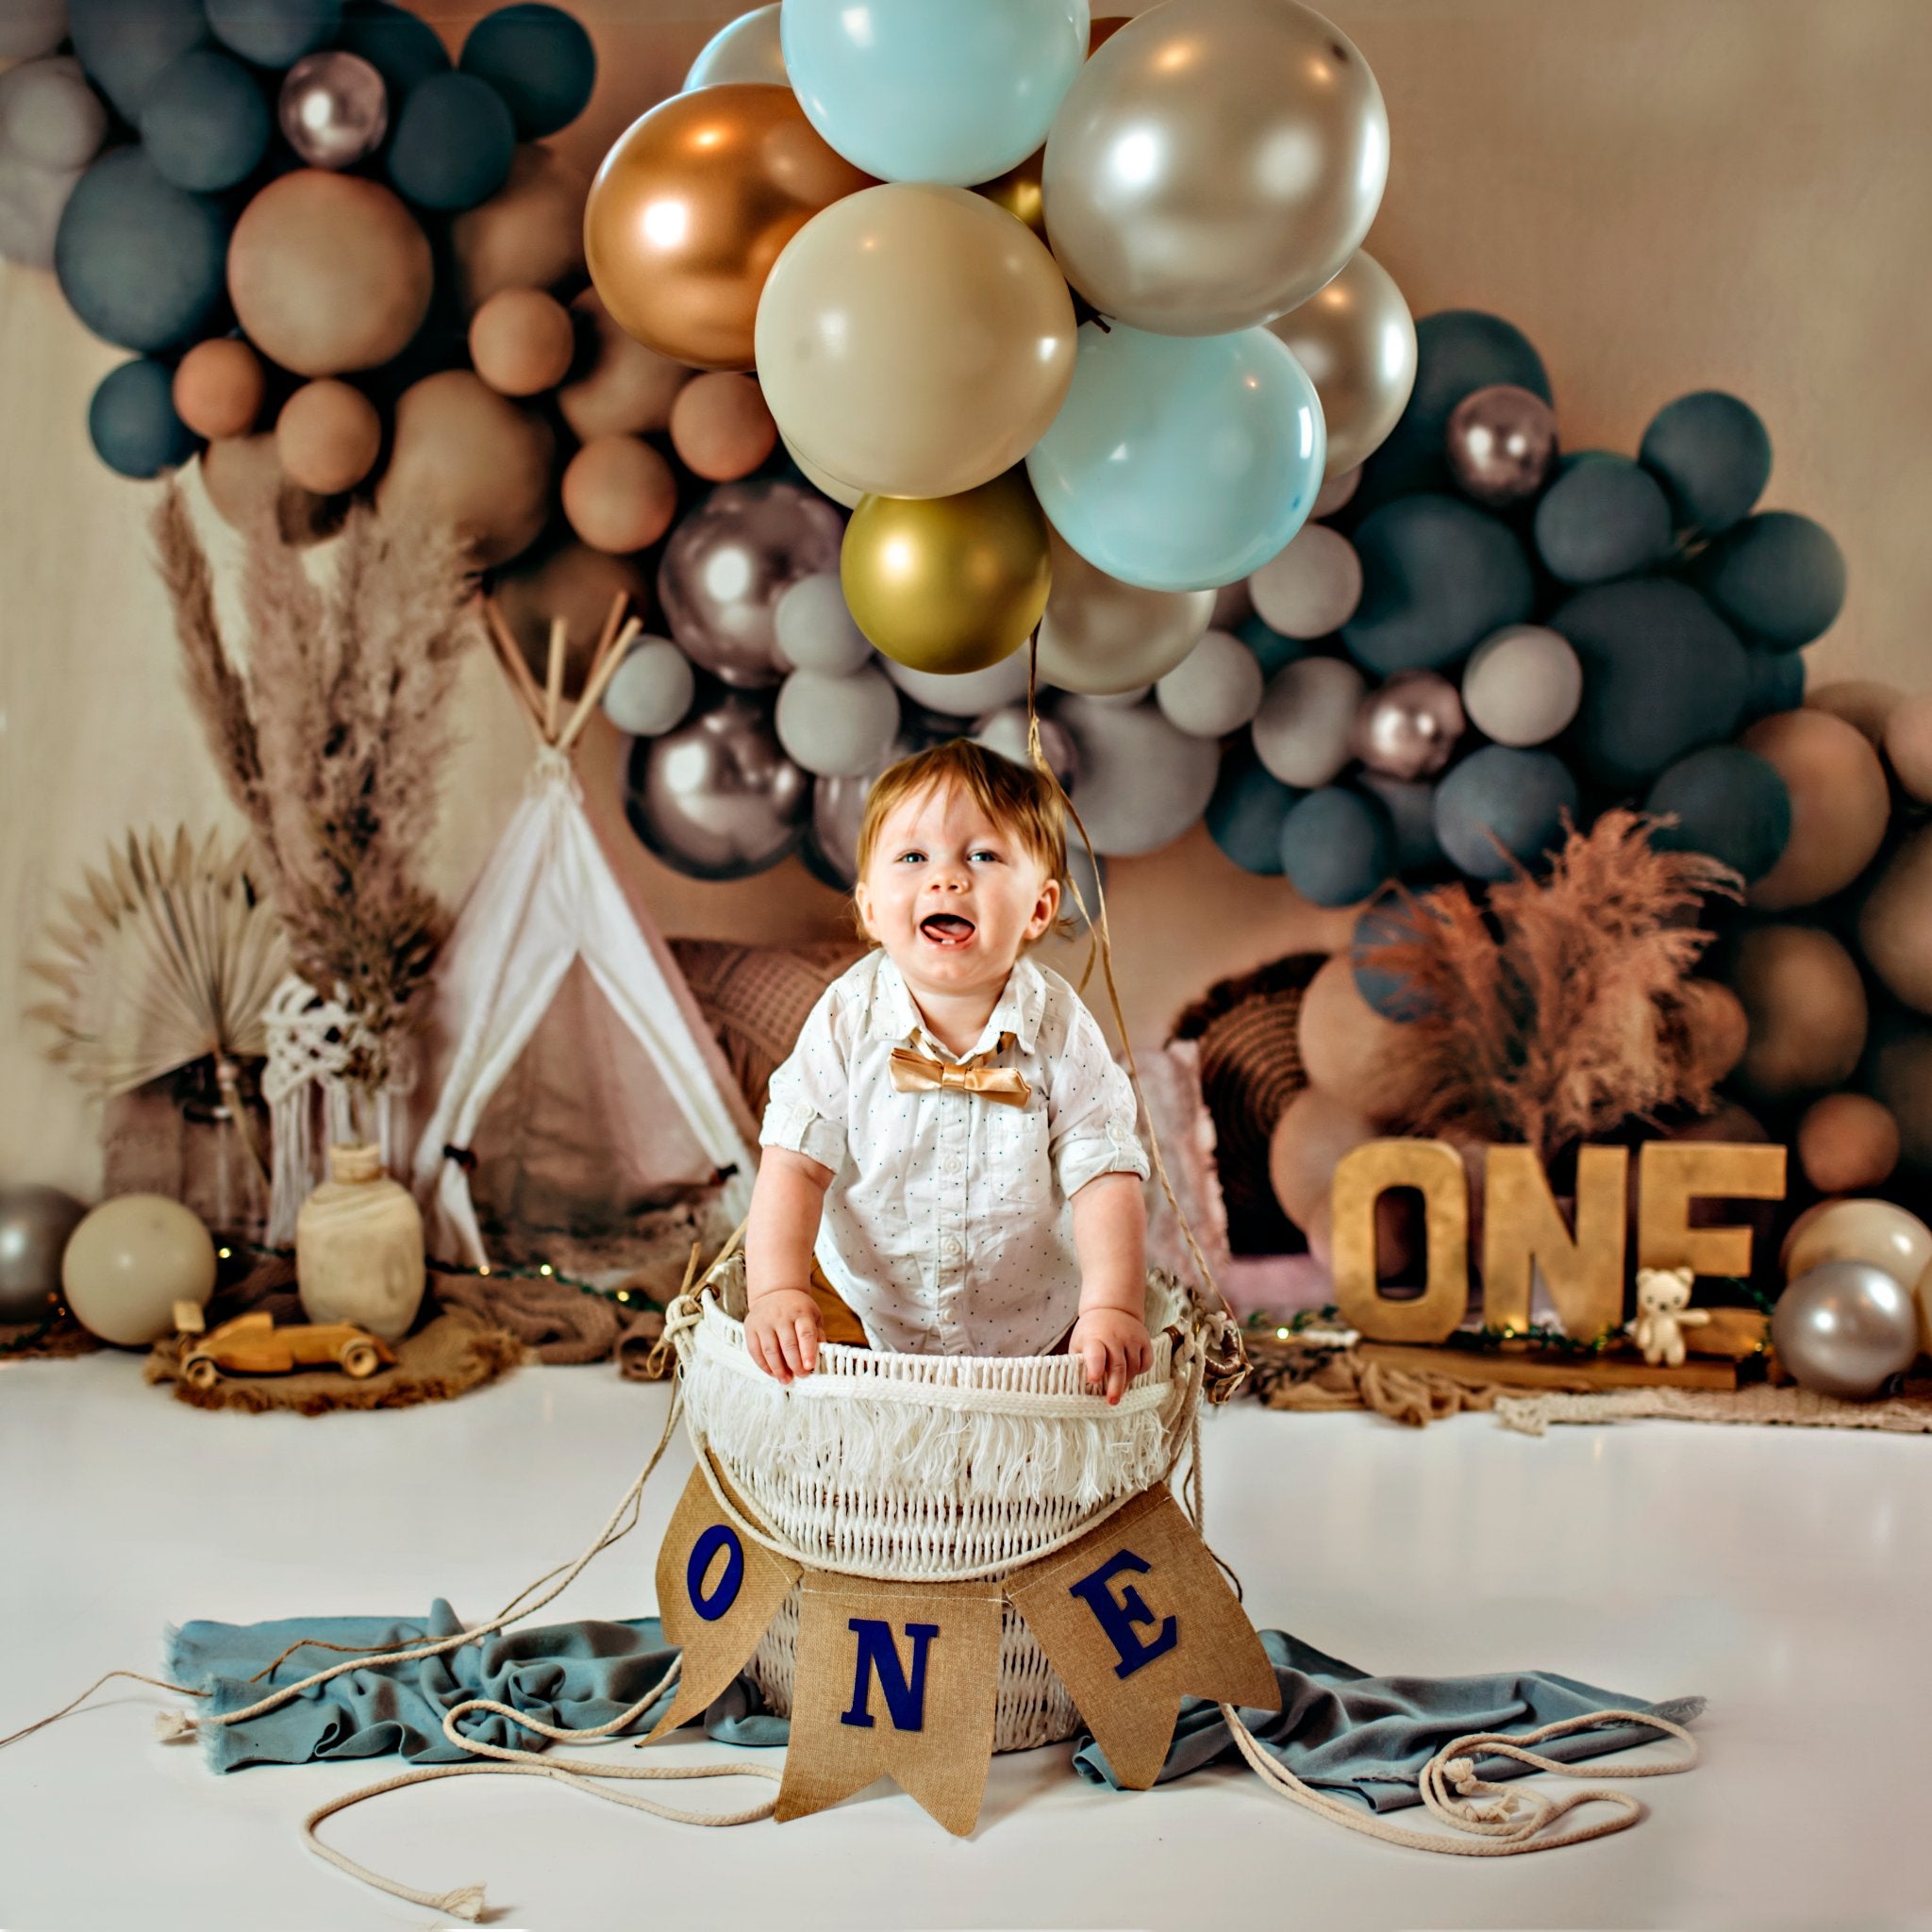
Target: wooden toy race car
{"points": [[253, 1345]]}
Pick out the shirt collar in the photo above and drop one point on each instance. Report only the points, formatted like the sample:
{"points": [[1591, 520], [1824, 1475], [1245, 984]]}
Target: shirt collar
{"points": [[1021, 1005]]}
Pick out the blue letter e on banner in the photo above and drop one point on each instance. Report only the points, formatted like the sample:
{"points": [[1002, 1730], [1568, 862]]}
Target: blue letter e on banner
{"points": [[879, 1655], [1117, 1615]]}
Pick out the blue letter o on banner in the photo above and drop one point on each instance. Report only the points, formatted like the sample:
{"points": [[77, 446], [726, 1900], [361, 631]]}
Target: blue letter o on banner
{"points": [[720, 1536]]}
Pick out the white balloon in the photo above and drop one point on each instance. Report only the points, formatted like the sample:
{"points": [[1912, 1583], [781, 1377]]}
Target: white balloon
{"points": [[1121, 700], [838, 727], [1336, 492], [32, 203], [1305, 726], [1143, 783], [1522, 686], [1312, 588], [49, 116], [815, 631], [651, 689], [1214, 689], [964, 694]]}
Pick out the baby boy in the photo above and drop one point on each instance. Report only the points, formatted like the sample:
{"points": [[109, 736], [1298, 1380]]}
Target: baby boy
{"points": [[951, 1137]]}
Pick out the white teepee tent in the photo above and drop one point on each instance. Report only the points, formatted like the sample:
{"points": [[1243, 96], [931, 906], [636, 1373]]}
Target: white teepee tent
{"points": [[548, 926]]}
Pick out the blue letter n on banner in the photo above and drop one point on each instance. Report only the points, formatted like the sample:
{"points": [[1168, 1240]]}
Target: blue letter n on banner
{"points": [[1118, 1615], [878, 1655]]}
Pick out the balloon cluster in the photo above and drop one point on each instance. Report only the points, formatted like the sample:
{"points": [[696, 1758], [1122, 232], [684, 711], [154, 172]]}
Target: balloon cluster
{"points": [[897, 219], [1857, 1309]]}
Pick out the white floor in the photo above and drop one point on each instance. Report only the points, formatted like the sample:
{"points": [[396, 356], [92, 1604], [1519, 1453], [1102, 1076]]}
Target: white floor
{"points": [[1785, 1575]]}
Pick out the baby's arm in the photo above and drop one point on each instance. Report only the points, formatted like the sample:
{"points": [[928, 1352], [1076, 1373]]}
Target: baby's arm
{"points": [[782, 1327], [1109, 1235]]}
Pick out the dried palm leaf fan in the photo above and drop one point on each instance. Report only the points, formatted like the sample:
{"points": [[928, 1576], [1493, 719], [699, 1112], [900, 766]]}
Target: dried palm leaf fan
{"points": [[168, 959]]}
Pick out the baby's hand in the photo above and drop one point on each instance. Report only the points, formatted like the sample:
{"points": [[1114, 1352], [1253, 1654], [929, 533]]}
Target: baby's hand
{"points": [[1113, 1347], [782, 1332]]}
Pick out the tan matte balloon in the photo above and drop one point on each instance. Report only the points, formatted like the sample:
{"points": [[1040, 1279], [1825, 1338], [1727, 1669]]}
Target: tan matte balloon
{"points": [[1718, 1027], [129, 1262], [464, 453], [1895, 923], [1807, 1010], [219, 386], [328, 437], [1313, 1133], [1100, 635], [577, 584], [915, 340], [619, 495], [1353, 1054], [1847, 1141], [240, 473], [949, 584], [328, 273], [624, 389], [824, 481], [693, 205], [529, 234], [721, 429], [1861, 702], [1839, 806], [1909, 744], [522, 342], [1214, 164], [1356, 339]]}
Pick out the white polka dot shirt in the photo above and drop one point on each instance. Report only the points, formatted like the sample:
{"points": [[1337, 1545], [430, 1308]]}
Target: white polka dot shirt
{"points": [[948, 1226]]}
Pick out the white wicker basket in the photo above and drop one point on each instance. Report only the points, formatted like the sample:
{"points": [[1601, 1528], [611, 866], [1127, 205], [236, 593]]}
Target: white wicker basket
{"points": [[934, 1469]]}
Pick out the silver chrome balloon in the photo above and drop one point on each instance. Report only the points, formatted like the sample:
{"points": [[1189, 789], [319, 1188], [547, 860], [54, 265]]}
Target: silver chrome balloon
{"points": [[1843, 1328], [34, 1225]]}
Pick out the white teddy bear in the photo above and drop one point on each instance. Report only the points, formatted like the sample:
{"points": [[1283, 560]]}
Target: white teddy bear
{"points": [[1663, 1312]]}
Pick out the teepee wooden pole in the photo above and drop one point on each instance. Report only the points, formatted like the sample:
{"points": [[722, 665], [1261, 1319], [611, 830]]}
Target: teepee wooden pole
{"points": [[552, 679], [614, 619], [600, 677], [531, 700]]}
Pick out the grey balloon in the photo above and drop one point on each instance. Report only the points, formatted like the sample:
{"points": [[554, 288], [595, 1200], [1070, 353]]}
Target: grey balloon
{"points": [[717, 798], [1843, 1328], [1214, 689], [835, 726], [1305, 730], [32, 201], [728, 563], [34, 1225], [49, 117], [966, 694], [1142, 782], [29, 28], [1213, 164], [651, 689], [1004, 731], [814, 629], [333, 108]]}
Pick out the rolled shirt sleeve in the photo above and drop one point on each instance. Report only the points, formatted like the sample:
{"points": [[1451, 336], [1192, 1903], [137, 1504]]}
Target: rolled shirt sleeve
{"points": [[1092, 1111], [805, 1109]]}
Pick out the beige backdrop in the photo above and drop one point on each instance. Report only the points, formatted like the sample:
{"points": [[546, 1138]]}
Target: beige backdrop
{"points": [[1665, 194]]}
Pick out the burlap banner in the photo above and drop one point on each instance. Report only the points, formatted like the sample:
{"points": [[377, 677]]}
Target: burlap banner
{"points": [[717, 1592], [1136, 1616], [894, 1678]]}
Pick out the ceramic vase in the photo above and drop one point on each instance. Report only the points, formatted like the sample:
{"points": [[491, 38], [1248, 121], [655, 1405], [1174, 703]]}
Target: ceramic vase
{"points": [[359, 1247]]}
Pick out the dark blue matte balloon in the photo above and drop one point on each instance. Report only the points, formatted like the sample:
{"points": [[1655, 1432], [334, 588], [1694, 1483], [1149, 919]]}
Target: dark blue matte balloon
{"points": [[401, 48], [1727, 802], [1773, 682], [1395, 995], [1662, 674], [1777, 575], [205, 123], [1412, 808], [1270, 647], [123, 44], [1437, 577], [133, 424], [453, 143], [539, 59], [1602, 519], [1712, 455], [140, 261], [1502, 797], [1337, 846], [1457, 350], [1244, 815], [1571, 459], [275, 33]]}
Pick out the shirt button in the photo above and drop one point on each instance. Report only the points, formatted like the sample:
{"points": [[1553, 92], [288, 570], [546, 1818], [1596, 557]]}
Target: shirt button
{"points": [[950, 1247], [953, 1163]]}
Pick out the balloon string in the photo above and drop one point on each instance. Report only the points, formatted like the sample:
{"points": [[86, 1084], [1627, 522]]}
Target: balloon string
{"points": [[1102, 943]]}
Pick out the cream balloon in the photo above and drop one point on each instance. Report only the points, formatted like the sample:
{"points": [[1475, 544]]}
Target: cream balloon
{"points": [[1356, 339], [1876, 1232], [744, 49], [822, 480], [130, 1261], [1100, 635], [1214, 164], [914, 341]]}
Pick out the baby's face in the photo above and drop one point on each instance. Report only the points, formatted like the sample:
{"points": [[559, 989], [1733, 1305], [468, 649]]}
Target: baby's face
{"points": [[951, 896]]}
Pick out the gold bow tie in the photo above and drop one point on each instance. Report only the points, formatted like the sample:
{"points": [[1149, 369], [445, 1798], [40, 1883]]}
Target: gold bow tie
{"points": [[918, 1072]]}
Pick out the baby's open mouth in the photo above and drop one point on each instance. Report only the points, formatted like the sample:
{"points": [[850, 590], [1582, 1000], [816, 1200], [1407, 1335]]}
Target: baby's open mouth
{"points": [[947, 928]]}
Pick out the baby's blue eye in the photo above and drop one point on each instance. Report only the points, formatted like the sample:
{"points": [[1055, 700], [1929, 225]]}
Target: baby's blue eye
{"points": [[984, 852], [909, 857]]}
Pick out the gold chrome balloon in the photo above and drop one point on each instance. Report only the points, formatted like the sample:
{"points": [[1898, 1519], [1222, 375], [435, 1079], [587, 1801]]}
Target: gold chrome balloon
{"points": [[914, 342], [951, 583], [1357, 340], [1214, 164], [1101, 636], [692, 206]]}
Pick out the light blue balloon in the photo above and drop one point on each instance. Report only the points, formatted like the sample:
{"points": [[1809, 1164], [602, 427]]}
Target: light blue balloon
{"points": [[1181, 462], [947, 91]]}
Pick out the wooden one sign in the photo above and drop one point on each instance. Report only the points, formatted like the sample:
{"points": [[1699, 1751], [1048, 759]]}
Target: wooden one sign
{"points": [[1524, 1229]]}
